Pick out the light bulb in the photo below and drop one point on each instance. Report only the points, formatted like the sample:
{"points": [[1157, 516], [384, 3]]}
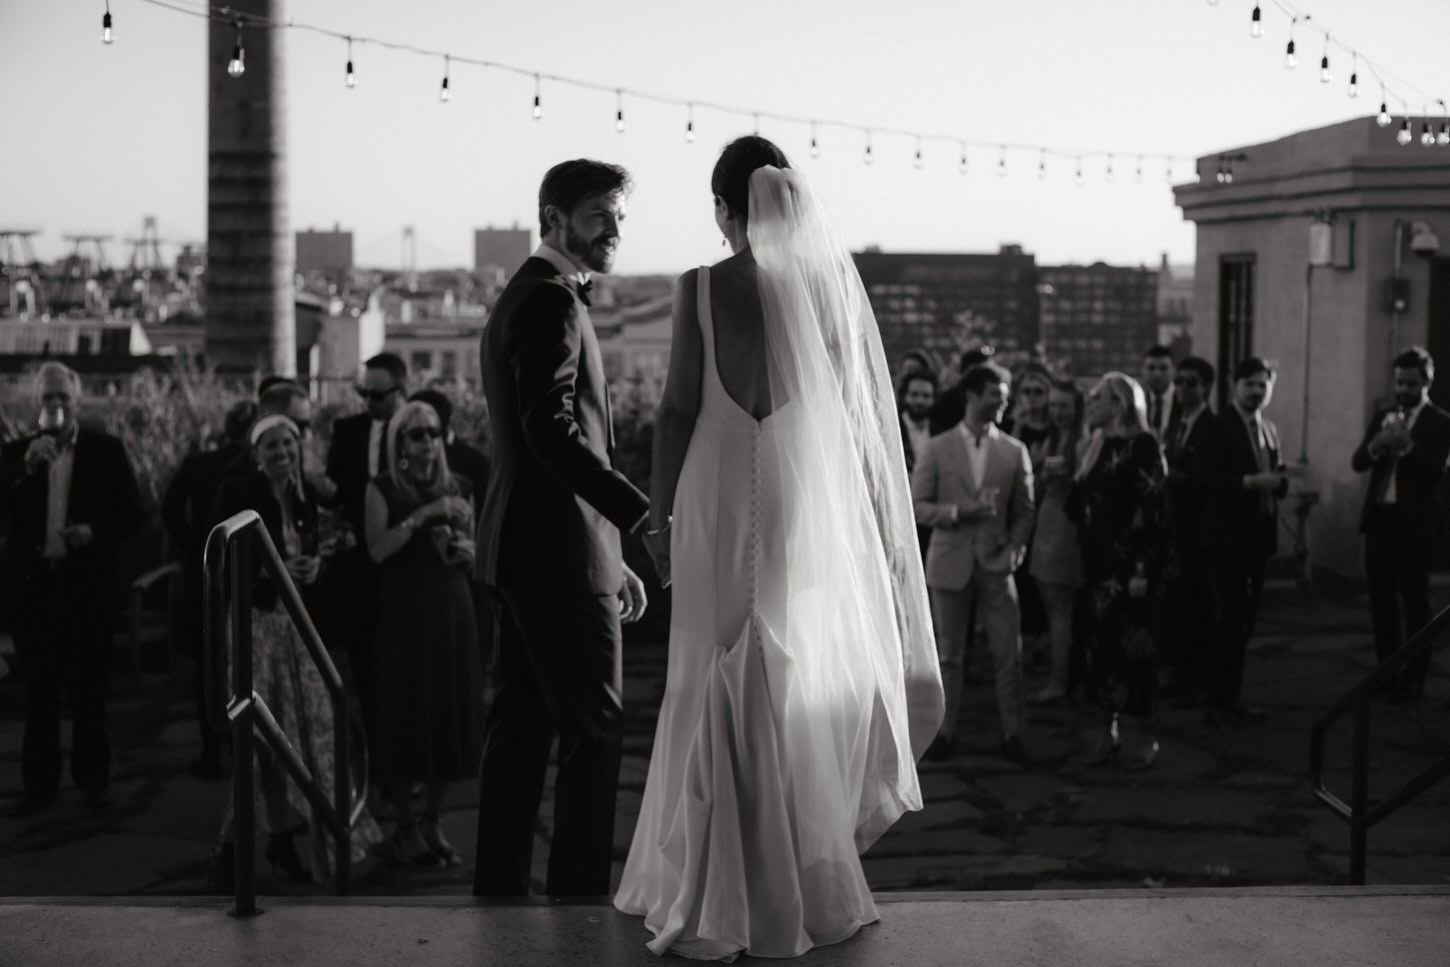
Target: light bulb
{"points": [[1078, 176], [443, 88], [918, 161], [619, 112], [689, 132], [538, 100], [1002, 164], [1228, 174], [815, 148], [1290, 61], [351, 77], [1404, 135], [1138, 171], [1384, 118], [1444, 136], [1042, 169], [1354, 85], [868, 154], [237, 66], [1256, 25], [962, 167], [1108, 174], [106, 36], [1427, 137], [1324, 76]]}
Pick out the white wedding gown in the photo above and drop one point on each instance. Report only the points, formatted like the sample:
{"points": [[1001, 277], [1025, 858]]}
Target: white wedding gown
{"points": [[772, 748]]}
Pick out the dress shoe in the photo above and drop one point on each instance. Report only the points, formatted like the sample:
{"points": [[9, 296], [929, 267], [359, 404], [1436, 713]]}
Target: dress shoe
{"points": [[940, 749], [1012, 749], [432, 834], [29, 804], [98, 798]]}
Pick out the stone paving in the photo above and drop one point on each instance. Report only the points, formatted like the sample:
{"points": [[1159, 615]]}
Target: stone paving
{"points": [[1220, 808]]}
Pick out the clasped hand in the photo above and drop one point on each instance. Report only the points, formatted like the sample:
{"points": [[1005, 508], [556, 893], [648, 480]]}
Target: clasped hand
{"points": [[981, 507], [454, 508], [304, 568], [41, 451], [1393, 439]]}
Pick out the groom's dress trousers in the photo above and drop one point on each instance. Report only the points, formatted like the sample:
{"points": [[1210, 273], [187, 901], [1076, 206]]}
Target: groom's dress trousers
{"points": [[972, 560], [549, 547], [63, 600]]}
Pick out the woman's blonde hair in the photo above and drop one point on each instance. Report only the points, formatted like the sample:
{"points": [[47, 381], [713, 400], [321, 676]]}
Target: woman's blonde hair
{"points": [[441, 484], [1127, 391]]}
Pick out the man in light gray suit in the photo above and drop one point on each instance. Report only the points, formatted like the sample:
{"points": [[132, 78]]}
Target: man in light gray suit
{"points": [[973, 486]]}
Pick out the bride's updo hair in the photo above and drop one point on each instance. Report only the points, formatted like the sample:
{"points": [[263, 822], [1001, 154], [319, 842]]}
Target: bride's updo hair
{"points": [[731, 178]]}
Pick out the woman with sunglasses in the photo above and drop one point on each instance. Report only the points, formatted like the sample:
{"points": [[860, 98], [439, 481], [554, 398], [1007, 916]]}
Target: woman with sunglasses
{"points": [[419, 527]]}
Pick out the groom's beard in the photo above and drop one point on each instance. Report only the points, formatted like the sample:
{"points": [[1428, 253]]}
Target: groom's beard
{"points": [[597, 253]]}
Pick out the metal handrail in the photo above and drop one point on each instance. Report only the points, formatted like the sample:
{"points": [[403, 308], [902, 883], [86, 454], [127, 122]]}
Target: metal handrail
{"points": [[1358, 812], [229, 574]]}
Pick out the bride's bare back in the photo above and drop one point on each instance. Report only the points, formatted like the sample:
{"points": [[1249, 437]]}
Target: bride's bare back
{"points": [[740, 351]]}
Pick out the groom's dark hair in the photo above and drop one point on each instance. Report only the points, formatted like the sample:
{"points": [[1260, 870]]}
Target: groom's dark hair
{"points": [[569, 183], [739, 160]]}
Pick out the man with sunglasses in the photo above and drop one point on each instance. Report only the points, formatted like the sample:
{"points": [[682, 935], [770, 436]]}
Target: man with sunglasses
{"points": [[358, 453]]}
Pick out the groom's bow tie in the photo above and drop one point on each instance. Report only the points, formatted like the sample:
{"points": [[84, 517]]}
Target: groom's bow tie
{"points": [[583, 289]]}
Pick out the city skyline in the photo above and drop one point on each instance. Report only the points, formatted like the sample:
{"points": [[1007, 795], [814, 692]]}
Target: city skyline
{"points": [[110, 134]]}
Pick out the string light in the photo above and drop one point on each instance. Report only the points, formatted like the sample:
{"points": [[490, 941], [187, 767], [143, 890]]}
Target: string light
{"points": [[1384, 119], [690, 124], [443, 88], [1042, 162], [1444, 136], [1002, 163], [1108, 174], [1138, 171], [963, 166], [237, 66], [1427, 137], [815, 148], [538, 99], [619, 111], [1405, 134], [918, 162], [1256, 26], [351, 79], [106, 36], [755, 126], [1290, 61], [1168, 170], [868, 146], [1078, 176], [1324, 76], [1354, 75]]}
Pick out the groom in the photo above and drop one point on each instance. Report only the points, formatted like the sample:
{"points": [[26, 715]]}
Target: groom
{"points": [[549, 548]]}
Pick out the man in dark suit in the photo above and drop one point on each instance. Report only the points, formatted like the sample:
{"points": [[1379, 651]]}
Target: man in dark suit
{"points": [[358, 453], [186, 512], [1245, 479], [915, 395], [74, 500], [1404, 449], [549, 546], [1189, 610], [1164, 408]]}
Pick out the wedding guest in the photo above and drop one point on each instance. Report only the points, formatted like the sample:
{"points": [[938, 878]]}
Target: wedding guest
{"points": [[429, 698], [951, 401], [357, 454], [916, 392], [973, 487], [73, 498], [1190, 620], [1164, 409], [186, 513], [1028, 421], [1245, 477], [464, 459], [1118, 504], [1404, 449], [283, 672], [1056, 559]]}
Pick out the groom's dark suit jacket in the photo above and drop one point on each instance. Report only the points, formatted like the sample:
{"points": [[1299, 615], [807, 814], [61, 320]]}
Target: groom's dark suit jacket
{"points": [[555, 504]]}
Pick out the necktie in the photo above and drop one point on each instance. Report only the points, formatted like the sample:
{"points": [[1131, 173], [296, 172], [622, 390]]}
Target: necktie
{"points": [[583, 289], [1155, 414]]}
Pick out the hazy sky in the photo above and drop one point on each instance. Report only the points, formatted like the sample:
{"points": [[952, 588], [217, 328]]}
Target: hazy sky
{"points": [[95, 137]]}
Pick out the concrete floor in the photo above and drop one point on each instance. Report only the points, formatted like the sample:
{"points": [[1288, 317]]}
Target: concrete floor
{"points": [[1282, 927]]}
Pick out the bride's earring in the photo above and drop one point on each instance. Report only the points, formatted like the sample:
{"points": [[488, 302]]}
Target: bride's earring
{"points": [[723, 241]]}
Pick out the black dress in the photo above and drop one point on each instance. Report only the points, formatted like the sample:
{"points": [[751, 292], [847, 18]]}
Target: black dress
{"points": [[429, 683], [1122, 523]]}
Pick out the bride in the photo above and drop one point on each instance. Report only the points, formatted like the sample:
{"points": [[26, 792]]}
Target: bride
{"points": [[802, 683]]}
